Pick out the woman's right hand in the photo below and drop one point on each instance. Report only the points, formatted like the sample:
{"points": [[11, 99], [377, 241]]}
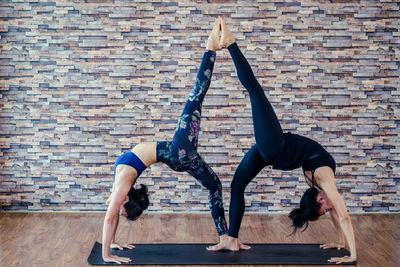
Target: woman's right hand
{"points": [[121, 246], [116, 259], [344, 259], [332, 245]]}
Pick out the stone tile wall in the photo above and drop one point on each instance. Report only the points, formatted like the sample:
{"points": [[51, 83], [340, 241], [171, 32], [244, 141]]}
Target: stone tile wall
{"points": [[84, 81]]}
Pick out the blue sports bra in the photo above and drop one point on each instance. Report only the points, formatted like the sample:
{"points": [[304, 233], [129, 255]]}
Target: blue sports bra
{"points": [[130, 158]]}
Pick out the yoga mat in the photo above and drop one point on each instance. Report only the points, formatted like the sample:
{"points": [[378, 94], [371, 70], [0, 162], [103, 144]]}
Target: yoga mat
{"points": [[196, 254]]}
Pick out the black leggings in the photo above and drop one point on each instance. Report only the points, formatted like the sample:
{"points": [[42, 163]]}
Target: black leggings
{"points": [[268, 134]]}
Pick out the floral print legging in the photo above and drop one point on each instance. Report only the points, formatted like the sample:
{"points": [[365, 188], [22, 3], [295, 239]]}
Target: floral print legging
{"points": [[181, 154]]}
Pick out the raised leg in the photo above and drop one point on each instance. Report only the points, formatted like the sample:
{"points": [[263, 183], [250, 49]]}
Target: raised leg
{"points": [[267, 129], [186, 135]]}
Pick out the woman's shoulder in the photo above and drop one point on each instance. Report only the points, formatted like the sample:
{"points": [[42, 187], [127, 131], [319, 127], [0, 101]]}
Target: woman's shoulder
{"points": [[324, 174]]}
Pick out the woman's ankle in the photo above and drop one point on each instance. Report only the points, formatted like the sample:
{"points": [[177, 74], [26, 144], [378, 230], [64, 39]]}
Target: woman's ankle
{"points": [[231, 239], [223, 237], [234, 42]]}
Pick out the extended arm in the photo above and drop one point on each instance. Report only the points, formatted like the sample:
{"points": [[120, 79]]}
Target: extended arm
{"points": [[325, 178], [123, 183], [342, 242]]}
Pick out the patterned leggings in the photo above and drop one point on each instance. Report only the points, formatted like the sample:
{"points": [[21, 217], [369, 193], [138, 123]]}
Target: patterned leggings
{"points": [[181, 154]]}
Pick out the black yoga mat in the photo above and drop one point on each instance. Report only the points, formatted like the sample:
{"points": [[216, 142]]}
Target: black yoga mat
{"points": [[196, 254]]}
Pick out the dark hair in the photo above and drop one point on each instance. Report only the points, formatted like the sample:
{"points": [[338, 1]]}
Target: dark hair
{"points": [[138, 202], [308, 211]]}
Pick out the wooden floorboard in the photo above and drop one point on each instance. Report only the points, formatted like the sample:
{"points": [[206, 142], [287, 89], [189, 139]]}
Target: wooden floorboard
{"points": [[65, 239]]}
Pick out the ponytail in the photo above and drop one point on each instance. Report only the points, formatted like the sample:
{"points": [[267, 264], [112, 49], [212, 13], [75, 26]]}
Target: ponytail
{"points": [[308, 211], [138, 202]]}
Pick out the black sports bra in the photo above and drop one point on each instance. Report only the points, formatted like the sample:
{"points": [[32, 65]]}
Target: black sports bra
{"points": [[312, 180]]}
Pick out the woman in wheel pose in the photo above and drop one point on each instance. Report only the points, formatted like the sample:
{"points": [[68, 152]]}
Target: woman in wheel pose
{"points": [[180, 154], [284, 151]]}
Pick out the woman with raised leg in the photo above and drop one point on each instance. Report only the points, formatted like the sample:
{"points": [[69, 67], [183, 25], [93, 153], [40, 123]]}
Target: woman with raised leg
{"points": [[180, 154], [284, 151]]}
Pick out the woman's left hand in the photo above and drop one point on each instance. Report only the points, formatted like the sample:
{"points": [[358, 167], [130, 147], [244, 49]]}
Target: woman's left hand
{"points": [[121, 246], [332, 245], [338, 260]]}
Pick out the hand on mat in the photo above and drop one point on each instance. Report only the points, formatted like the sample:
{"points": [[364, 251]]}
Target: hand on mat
{"points": [[116, 259], [338, 260], [121, 246], [332, 245]]}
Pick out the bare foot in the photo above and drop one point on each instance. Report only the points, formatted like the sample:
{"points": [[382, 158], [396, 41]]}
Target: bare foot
{"points": [[227, 37], [221, 245], [228, 243], [243, 246], [213, 42]]}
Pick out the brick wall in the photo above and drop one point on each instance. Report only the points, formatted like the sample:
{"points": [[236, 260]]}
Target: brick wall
{"points": [[84, 81]]}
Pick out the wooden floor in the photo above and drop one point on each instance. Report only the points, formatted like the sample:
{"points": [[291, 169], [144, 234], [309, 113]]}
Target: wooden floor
{"points": [[59, 239]]}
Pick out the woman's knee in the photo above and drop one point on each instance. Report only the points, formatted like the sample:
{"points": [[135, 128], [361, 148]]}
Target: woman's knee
{"points": [[237, 186], [250, 83], [213, 187]]}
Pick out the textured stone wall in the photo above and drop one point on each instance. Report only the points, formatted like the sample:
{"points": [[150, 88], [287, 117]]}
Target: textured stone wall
{"points": [[84, 81]]}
